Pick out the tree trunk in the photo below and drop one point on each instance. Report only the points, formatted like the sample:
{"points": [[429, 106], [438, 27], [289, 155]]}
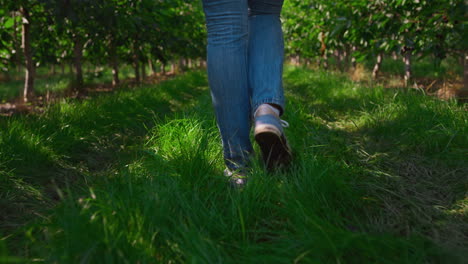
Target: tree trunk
{"points": [[115, 75], [77, 63], [407, 61], [30, 71], [114, 64], [181, 65], [163, 68], [115, 71], [465, 74], [353, 58], [143, 70], [346, 57], [136, 67], [339, 60], [16, 44], [172, 67], [150, 66], [325, 60], [295, 60], [376, 70]]}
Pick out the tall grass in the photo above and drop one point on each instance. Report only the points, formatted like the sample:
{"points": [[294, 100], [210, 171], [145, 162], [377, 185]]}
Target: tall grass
{"points": [[40, 155], [376, 178]]}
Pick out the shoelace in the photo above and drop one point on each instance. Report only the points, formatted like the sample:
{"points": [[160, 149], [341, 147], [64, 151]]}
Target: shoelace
{"points": [[284, 123]]}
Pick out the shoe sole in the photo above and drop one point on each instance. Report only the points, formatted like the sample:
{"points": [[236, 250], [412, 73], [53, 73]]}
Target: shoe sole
{"points": [[275, 151]]}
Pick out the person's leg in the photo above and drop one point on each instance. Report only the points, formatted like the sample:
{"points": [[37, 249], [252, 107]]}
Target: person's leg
{"points": [[266, 53], [227, 25]]}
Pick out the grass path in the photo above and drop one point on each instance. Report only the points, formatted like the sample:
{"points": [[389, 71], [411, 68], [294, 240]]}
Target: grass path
{"points": [[379, 177]]}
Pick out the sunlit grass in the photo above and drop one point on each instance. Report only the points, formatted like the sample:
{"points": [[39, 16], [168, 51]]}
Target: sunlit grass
{"points": [[422, 67], [41, 154]]}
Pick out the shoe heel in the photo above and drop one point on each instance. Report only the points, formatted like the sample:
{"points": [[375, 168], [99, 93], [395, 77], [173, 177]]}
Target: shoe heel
{"points": [[275, 151]]}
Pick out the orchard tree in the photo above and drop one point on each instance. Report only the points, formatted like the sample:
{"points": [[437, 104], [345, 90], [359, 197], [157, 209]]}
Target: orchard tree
{"points": [[113, 32], [371, 29], [31, 15], [76, 22]]}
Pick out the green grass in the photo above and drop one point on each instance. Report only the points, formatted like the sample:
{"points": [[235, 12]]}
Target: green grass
{"points": [[379, 176], [39, 155], [450, 68], [13, 89], [58, 83], [423, 68]]}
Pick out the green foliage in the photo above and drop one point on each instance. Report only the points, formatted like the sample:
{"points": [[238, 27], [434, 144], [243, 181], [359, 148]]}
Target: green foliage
{"points": [[105, 32], [133, 32], [422, 27]]}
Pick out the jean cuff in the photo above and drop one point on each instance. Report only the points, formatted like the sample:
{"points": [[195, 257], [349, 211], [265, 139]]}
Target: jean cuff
{"points": [[275, 101]]}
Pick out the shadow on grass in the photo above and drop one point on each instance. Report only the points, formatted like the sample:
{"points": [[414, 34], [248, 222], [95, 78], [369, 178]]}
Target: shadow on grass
{"points": [[42, 154], [406, 150], [173, 204], [343, 200]]}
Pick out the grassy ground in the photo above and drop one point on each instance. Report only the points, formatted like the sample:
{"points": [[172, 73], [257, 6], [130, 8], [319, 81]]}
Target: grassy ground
{"points": [[12, 89], [379, 176], [425, 74], [57, 83], [424, 68]]}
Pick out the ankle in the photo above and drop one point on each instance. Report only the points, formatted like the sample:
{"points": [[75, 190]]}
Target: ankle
{"points": [[267, 109], [277, 107]]}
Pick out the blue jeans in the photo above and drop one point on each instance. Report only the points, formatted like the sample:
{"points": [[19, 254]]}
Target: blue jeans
{"points": [[245, 64]]}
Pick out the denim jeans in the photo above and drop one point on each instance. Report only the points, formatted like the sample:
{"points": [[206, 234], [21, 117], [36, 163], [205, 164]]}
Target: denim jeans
{"points": [[245, 64]]}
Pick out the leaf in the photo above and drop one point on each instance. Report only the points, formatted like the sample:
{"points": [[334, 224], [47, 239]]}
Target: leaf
{"points": [[8, 23]]}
